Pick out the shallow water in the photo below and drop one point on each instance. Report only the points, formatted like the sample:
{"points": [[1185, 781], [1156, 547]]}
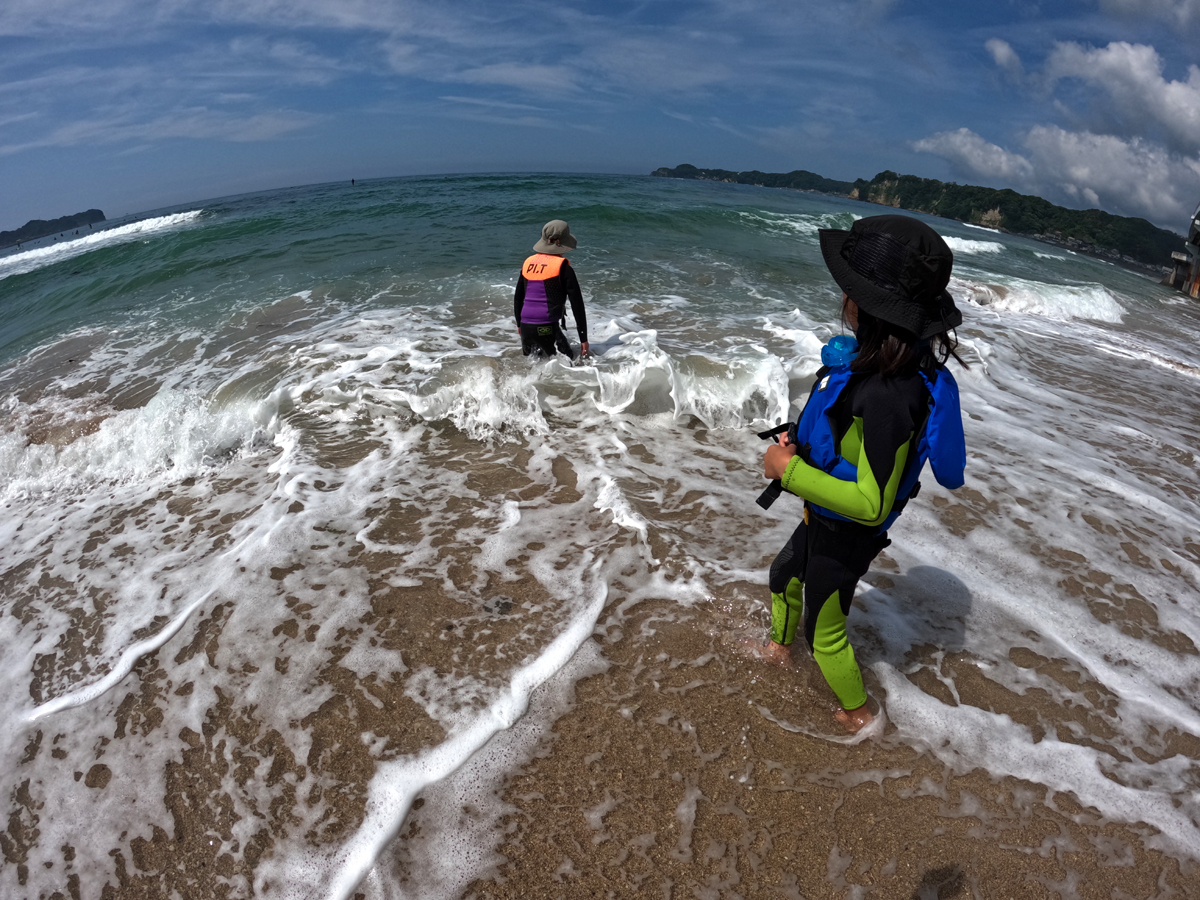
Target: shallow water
{"points": [[291, 532]]}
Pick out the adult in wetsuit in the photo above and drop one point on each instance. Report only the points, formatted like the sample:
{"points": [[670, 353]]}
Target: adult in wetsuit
{"points": [[893, 271], [546, 283]]}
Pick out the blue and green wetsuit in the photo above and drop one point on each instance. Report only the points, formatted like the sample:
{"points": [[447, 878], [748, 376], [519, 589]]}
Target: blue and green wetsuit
{"points": [[864, 439]]}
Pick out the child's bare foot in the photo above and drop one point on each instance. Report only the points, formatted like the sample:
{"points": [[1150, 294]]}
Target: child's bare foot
{"points": [[855, 720], [780, 654], [771, 652]]}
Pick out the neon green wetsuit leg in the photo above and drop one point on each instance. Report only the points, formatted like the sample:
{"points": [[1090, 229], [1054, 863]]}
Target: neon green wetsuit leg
{"points": [[787, 609], [809, 578], [833, 653]]}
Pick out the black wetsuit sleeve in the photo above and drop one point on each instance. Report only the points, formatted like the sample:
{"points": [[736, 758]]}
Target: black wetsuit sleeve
{"points": [[889, 409], [519, 298], [575, 294]]}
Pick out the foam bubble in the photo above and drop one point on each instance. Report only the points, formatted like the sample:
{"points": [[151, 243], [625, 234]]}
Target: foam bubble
{"points": [[482, 400]]}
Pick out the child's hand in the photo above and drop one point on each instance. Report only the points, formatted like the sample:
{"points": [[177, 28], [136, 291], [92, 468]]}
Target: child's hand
{"points": [[777, 457]]}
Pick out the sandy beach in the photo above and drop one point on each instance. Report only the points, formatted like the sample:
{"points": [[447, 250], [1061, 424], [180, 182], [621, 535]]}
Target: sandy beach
{"points": [[666, 781]]}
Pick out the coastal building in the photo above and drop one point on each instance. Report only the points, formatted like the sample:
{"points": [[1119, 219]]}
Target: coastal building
{"points": [[1185, 272]]}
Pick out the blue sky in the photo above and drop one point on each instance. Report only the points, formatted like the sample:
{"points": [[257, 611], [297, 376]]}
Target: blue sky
{"points": [[129, 105]]}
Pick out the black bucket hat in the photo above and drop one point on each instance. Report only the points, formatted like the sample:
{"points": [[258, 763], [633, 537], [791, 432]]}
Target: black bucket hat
{"points": [[897, 269]]}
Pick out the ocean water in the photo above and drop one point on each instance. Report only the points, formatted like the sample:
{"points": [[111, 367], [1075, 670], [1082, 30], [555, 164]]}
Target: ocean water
{"points": [[301, 560]]}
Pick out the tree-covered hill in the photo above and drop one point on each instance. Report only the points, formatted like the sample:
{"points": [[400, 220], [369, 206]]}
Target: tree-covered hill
{"points": [[1093, 231], [1006, 210], [36, 228], [799, 180]]}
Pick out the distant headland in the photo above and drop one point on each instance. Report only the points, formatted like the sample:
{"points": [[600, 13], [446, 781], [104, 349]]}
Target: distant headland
{"points": [[1133, 242], [38, 228]]}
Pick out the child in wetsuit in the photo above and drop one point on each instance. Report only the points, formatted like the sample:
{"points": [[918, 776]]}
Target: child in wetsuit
{"points": [[866, 432]]}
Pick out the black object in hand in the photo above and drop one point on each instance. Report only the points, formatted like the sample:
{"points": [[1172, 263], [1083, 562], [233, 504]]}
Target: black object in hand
{"points": [[775, 488]]}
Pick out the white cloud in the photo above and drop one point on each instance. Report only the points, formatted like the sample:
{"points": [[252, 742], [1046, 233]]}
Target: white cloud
{"points": [[1130, 177], [669, 63], [196, 123], [968, 152], [1005, 57], [1102, 170], [287, 60], [1132, 76], [392, 16], [33, 17], [17, 117], [1116, 165], [491, 104], [548, 80]]}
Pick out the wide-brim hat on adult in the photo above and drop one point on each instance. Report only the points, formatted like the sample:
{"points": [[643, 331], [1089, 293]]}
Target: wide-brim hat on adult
{"points": [[896, 268], [556, 238]]}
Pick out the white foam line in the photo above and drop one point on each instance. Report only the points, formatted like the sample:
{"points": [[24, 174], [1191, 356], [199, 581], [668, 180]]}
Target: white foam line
{"points": [[966, 245], [401, 781], [978, 738], [872, 730], [1129, 687], [119, 671], [30, 260]]}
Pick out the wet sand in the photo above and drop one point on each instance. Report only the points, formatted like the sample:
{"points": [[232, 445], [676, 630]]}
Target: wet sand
{"points": [[678, 772], [688, 768], [665, 781]]}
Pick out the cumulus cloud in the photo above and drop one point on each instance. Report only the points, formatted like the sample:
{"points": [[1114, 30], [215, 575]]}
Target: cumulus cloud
{"points": [[1104, 170], [1131, 177], [1132, 76], [968, 152], [1005, 57], [1141, 154]]}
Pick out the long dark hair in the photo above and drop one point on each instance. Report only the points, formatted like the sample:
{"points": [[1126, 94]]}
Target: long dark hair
{"points": [[891, 350]]}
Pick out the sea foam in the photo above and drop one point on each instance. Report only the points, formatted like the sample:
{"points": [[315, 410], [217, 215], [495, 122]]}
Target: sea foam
{"points": [[30, 260]]}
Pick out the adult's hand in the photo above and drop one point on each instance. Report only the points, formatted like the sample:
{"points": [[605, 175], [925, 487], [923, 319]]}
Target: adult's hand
{"points": [[583, 349]]}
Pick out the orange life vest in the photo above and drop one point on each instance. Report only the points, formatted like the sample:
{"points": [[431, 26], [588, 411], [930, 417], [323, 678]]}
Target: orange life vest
{"points": [[541, 266]]}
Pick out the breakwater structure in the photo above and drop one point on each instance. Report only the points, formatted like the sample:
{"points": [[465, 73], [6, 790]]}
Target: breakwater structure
{"points": [[1185, 271]]}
